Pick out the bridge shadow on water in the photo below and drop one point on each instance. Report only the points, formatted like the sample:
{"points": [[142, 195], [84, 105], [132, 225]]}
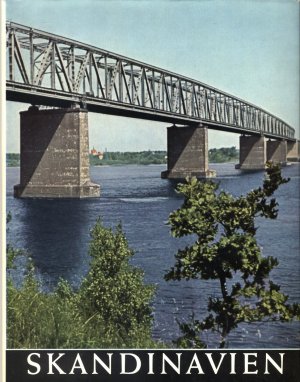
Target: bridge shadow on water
{"points": [[61, 229]]}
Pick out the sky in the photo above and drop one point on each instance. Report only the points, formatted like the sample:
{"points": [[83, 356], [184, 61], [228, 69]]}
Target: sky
{"points": [[248, 48]]}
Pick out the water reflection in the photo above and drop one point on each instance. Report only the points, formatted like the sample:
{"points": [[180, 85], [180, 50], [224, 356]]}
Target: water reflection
{"points": [[56, 235]]}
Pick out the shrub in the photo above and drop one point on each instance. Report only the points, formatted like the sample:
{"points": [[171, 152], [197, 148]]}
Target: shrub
{"points": [[111, 307]]}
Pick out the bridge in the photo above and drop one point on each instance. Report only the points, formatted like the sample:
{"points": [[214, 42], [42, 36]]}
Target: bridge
{"points": [[74, 78]]}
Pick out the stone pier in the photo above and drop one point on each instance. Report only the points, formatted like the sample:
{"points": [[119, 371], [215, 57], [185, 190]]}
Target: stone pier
{"points": [[55, 155], [277, 151], [253, 153], [293, 151], [187, 153]]}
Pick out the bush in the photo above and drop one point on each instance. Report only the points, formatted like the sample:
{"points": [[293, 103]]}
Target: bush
{"points": [[111, 307], [114, 291]]}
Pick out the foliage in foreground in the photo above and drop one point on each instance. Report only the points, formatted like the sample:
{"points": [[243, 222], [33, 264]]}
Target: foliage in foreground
{"points": [[226, 249], [111, 307]]}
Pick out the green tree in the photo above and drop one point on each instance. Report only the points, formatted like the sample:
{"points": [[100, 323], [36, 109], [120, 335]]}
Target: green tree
{"points": [[111, 307], [226, 249], [114, 290], [223, 154]]}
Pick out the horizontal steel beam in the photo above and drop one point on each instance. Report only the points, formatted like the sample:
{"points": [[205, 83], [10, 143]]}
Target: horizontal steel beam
{"points": [[66, 100]]}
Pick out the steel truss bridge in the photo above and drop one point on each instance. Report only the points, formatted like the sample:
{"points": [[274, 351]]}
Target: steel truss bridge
{"points": [[47, 69]]}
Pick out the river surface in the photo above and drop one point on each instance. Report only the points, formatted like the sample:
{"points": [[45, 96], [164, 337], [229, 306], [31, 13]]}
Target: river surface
{"points": [[56, 234]]}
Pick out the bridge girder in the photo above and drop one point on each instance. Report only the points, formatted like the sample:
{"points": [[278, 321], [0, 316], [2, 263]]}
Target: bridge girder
{"points": [[47, 69]]}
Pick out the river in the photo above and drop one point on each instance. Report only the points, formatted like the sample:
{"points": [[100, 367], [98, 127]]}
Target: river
{"points": [[56, 234]]}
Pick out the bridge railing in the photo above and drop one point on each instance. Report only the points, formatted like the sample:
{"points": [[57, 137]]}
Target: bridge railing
{"points": [[41, 60]]}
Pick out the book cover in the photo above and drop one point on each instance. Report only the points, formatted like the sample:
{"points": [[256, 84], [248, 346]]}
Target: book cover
{"points": [[111, 268]]}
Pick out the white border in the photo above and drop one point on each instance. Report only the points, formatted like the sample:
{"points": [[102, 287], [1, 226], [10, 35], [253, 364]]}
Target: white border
{"points": [[3, 227], [2, 191]]}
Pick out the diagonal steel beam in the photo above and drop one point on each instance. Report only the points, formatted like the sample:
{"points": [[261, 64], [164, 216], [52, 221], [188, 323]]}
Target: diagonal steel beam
{"points": [[97, 75], [44, 64], [63, 68], [20, 61], [127, 85], [148, 87], [136, 88], [81, 72], [111, 85], [168, 99], [59, 78]]}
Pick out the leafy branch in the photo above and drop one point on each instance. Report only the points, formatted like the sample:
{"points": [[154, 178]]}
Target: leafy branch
{"points": [[226, 248]]}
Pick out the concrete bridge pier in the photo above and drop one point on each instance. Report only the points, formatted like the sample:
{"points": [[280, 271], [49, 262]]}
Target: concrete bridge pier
{"points": [[293, 151], [55, 154], [277, 151], [253, 153], [187, 153]]}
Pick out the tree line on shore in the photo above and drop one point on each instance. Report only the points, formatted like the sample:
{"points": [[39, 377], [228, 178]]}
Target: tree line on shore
{"points": [[221, 155]]}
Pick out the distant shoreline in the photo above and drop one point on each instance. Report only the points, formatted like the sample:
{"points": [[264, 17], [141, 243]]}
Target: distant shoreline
{"points": [[149, 157], [138, 164]]}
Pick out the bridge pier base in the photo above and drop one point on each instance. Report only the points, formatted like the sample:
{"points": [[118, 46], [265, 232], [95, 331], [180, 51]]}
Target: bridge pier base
{"points": [[187, 153], [55, 155], [253, 153], [277, 152]]}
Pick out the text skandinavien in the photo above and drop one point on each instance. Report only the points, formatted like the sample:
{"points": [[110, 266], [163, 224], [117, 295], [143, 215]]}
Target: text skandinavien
{"points": [[155, 363]]}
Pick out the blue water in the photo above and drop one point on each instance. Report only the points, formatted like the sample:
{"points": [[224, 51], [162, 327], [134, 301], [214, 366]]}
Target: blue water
{"points": [[56, 233]]}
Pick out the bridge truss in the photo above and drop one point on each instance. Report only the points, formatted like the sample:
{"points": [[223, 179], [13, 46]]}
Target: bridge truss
{"points": [[47, 69]]}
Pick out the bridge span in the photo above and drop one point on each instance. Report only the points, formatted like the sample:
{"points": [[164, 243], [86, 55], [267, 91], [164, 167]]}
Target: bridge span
{"points": [[47, 69]]}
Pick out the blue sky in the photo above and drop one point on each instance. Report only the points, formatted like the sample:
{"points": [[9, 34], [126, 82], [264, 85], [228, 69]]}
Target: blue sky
{"points": [[249, 48]]}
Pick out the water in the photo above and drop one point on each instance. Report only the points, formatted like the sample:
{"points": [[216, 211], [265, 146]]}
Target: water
{"points": [[56, 233]]}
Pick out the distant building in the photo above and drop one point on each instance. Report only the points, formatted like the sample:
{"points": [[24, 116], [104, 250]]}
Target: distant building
{"points": [[96, 153]]}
